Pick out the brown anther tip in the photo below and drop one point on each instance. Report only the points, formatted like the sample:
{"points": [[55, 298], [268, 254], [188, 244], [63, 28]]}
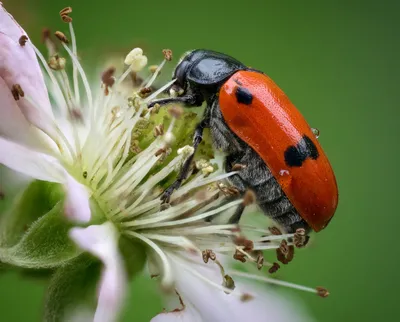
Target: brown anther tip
{"points": [[145, 91], [107, 77], [160, 151], [246, 243], [61, 37], [208, 254], [65, 11], [176, 111], [239, 257], [76, 115], [228, 190], [284, 247], [167, 54], [285, 252], [229, 282], [64, 14], [260, 261], [274, 230], [22, 40], [46, 34], [158, 130], [238, 167], [249, 198], [246, 297], [300, 238], [17, 91], [274, 268], [322, 292]]}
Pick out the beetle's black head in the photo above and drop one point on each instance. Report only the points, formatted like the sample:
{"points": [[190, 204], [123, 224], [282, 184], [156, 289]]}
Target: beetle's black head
{"points": [[205, 70], [184, 65]]}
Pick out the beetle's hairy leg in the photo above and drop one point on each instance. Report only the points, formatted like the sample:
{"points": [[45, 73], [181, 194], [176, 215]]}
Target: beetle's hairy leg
{"points": [[183, 173]]}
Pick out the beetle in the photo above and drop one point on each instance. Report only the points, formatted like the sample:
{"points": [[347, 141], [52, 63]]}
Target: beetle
{"points": [[255, 124]]}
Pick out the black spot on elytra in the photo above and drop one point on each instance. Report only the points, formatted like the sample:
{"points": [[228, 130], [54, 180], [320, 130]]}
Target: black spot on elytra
{"points": [[296, 155], [243, 95], [237, 81]]}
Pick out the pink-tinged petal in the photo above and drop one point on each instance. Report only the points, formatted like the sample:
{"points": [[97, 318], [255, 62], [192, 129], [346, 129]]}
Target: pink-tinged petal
{"points": [[77, 207], [31, 163], [19, 65], [45, 167], [206, 303], [14, 125], [102, 242], [185, 314]]}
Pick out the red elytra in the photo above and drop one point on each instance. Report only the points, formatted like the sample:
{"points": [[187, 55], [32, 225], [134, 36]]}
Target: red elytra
{"points": [[270, 124]]}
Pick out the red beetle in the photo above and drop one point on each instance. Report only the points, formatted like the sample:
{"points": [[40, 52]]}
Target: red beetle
{"points": [[252, 120]]}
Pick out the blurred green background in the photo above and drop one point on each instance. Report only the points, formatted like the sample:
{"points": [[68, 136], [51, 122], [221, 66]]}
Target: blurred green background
{"points": [[339, 63]]}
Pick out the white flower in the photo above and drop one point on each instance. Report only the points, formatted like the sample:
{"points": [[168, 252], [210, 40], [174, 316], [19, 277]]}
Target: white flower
{"points": [[85, 144]]}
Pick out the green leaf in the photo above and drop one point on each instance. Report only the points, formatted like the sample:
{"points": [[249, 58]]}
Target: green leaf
{"points": [[35, 201], [46, 243], [134, 254], [72, 288]]}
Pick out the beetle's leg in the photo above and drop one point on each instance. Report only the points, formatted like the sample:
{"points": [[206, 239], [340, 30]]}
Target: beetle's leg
{"points": [[237, 214], [189, 100], [197, 138]]}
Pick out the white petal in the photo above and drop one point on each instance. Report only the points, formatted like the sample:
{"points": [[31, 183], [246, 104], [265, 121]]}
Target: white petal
{"points": [[210, 304], [44, 167], [19, 65], [102, 241], [77, 205], [15, 126], [34, 164]]}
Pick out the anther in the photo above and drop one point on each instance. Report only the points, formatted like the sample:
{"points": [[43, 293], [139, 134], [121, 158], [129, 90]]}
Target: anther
{"points": [[260, 261], [56, 62], [160, 151], [228, 190], [61, 37], [46, 34], [285, 252], [64, 14], [108, 79], [322, 292], [208, 254], [167, 54], [158, 130], [17, 91], [145, 91], [239, 256], [300, 238], [22, 40], [155, 109], [238, 167], [245, 297], [76, 115], [249, 198], [153, 68], [247, 244], [274, 268], [136, 60], [275, 231], [229, 283], [176, 111]]}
